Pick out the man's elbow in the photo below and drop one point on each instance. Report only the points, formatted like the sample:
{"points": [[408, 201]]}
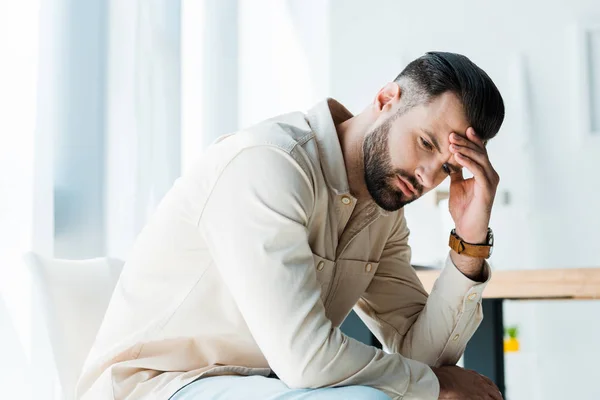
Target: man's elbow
{"points": [[310, 376], [296, 380]]}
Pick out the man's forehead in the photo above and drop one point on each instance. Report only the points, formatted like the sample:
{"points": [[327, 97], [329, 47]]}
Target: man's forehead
{"points": [[442, 115]]}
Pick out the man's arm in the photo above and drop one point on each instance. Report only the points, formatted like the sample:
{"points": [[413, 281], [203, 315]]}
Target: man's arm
{"points": [[255, 224], [471, 200], [433, 329]]}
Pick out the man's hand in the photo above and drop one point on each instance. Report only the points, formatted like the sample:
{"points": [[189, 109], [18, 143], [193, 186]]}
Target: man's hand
{"points": [[471, 199], [457, 383]]}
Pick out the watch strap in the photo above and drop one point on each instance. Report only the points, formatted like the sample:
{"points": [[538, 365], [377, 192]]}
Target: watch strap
{"points": [[469, 249]]}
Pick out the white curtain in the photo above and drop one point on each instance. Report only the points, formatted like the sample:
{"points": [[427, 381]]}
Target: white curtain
{"points": [[139, 110], [143, 114], [20, 168]]}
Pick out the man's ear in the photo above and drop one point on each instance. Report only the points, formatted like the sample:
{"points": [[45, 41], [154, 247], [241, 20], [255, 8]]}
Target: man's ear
{"points": [[388, 96]]}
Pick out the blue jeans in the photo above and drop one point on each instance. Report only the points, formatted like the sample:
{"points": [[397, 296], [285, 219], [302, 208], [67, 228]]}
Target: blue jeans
{"points": [[262, 388]]}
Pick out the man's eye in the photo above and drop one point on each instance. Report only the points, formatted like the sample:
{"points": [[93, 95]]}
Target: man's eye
{"points": [[426, 144], [447, 169]]}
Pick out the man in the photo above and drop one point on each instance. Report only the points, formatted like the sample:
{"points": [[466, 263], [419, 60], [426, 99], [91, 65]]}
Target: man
{"points": [[238, 285]]}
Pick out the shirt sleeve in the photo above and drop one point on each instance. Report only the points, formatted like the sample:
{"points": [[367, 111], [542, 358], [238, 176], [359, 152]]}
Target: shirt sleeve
{"points": [[255, 224], [432, 329]]}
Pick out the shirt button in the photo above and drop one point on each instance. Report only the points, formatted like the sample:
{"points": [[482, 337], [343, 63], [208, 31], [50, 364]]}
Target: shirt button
{"points": [[369, 267], [321, 265], [472, 296], [455, 338], [346, 200]]}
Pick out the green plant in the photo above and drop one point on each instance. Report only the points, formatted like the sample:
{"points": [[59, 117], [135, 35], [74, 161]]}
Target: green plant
{"points": [[511, 331]]}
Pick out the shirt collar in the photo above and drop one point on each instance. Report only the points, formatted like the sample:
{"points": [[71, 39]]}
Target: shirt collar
{"points": [[322, 119]]}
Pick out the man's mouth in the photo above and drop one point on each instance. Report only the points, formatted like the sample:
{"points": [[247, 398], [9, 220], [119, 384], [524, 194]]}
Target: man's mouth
{"points": [[406, 187]]}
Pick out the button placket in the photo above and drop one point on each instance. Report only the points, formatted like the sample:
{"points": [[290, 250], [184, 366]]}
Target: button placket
{"points": [[344, 207]]}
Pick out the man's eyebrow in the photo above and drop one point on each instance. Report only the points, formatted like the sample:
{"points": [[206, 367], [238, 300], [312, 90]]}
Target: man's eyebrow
{"points": [[432, 139], [434, 142]]}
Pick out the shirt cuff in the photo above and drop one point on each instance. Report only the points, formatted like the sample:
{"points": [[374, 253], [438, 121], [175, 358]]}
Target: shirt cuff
{"points": [[456, 289]]}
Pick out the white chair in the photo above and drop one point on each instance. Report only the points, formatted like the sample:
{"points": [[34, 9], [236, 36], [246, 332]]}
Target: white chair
{"points": [[73, 297]]}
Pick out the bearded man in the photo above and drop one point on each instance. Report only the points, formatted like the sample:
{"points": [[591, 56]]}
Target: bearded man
{"points": [[238, 285]]}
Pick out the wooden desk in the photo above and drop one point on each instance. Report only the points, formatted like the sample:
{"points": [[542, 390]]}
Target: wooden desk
{"points": [[485, 351], [576, 283]]}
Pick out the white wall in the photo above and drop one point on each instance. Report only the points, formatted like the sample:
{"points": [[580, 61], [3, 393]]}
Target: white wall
{"points": [[550, 174], [283, 57]]}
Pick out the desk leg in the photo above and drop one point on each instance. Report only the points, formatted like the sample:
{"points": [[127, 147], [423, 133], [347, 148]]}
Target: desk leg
{"points": [[485, 351]]}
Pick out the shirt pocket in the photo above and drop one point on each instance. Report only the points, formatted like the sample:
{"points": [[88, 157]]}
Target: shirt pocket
{"points": [[324, 270], [354, 278]]}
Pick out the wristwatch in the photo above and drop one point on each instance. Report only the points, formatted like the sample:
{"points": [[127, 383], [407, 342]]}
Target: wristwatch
{"points": [[472, 250]]}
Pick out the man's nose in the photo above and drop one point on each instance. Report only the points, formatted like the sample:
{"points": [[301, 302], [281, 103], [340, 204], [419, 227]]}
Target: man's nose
{"points": [[426, 177]]}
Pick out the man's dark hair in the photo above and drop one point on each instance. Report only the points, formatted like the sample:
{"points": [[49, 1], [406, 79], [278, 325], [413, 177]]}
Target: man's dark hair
{"points": [[437, 72]]}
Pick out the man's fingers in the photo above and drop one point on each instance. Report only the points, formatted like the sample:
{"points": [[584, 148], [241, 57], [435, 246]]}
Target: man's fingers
{"points": [[481, 159], [494, 392], [473, 147], [473, 154], [471, 135], [496, 395], [463, 141], [475, 168], [488, 380], [457, 176]]}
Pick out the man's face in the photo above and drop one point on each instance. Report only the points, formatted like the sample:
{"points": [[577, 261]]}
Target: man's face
{"points": [[407, 156]]}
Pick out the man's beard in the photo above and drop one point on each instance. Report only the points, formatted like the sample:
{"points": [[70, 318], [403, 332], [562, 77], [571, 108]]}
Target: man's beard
{"points": [[381, 178]]}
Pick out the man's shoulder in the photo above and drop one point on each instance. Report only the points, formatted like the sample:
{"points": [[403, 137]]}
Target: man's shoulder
{"points": [[288, 133], [284, 131]]}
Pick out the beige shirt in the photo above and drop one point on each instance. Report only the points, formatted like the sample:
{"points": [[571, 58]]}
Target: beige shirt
{"points": [[250, 265]]}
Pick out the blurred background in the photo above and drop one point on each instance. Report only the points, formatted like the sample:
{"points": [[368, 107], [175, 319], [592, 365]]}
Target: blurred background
{"points": [[104, 103]]}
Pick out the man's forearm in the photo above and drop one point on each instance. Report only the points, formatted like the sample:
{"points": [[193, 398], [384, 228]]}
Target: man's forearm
{"points": [[471, 267], [448, 320]]}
